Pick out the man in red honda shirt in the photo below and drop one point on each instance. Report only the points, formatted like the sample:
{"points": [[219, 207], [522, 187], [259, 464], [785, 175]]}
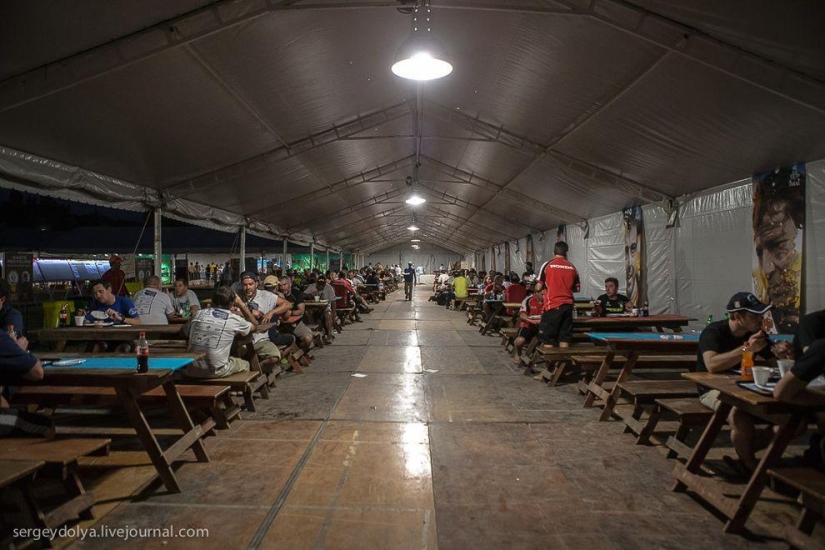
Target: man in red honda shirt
{"points": [[560, 280], [531, 310]]}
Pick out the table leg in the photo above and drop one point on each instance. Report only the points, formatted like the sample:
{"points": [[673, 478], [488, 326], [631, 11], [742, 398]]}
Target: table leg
{"points": [[613, 398], [183, 419], [150, 443], [760, 475], [703, 446], [60, 345], [601, 374]]}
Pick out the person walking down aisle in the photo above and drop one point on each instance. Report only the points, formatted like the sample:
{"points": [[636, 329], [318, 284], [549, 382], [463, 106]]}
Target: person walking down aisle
{"points": [[410, 278]]}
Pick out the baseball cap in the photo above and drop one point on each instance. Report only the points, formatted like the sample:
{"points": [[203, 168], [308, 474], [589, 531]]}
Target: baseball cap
{"points": [[115, 258], [746, 301], [271, 280], [248, 275]]}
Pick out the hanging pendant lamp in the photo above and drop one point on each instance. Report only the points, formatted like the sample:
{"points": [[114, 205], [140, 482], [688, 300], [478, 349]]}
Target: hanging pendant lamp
{"points": [[421, 56]]}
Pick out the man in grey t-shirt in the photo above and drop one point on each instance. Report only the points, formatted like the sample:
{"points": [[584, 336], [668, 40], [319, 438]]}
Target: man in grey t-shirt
{"points": [[153, 305]]}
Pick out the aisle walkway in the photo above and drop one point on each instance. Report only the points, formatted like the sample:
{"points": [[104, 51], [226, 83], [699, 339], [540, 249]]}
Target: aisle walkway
{"points": [[438, 443]]}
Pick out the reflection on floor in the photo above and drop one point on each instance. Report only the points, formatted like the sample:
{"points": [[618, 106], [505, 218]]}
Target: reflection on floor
{"points": [[441, 445]]}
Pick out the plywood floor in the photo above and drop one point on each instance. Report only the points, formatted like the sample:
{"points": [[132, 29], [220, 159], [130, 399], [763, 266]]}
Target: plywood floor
{"points": [[442, 444]]}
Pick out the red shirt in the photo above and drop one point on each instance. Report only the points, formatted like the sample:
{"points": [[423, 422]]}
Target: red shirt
{"points": [[514, 293], [560, 280], [531, 307], [116, 278]]}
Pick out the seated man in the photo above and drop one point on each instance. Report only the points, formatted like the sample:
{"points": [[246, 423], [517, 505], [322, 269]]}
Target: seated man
{"points": [[8, 315], [493, 292], [529, 316], [515, 292], [611, 302], [721, 347], [119, 309], [359, 301], [154, 306], [212, 332], [17, 365], [811, 328], [184, 301], [459, 288], [293, 319], [264, 306], [323, 291]]}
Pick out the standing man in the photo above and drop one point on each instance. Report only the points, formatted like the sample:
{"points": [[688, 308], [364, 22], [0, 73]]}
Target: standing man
{"points": [[154, 306], [227, 277], [410, 279], [212, 332], [559, 279], [116, 276], [611, 302]]}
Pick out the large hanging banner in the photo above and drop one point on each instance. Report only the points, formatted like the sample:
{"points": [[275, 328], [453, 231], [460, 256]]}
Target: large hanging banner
{"points": [[561, 234], [19, 272], [633, 248], [778, 228]]}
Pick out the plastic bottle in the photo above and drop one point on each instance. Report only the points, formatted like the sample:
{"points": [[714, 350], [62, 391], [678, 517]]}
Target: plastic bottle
{"points": [[645, 310], [64, 315], [142, 353], [11, 332], [710, 319], [747, 366]]}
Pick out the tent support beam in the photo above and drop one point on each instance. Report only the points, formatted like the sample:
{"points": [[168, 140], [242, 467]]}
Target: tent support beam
{"points": [[242, 262], [159, 243]]}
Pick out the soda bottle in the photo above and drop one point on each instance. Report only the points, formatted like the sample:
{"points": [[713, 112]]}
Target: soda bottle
{"points": [[645, 310], [710, 319], [11, 332], [747, 366], [64, 315], [142, 353]]}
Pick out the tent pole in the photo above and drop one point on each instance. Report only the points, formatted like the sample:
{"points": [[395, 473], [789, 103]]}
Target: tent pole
{"points": [[327, 258], [242, 262], [311, 256], [158, 247]]}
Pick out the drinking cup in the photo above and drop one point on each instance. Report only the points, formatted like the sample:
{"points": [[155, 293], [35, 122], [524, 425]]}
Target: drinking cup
{"points": [[761, 375], [784, 366], [317, 298], [635, 312], [79, 320]]}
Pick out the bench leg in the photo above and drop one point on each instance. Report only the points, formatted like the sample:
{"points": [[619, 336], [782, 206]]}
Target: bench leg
{"points": [[558, 372], [681, 434], [650, 426], [147, 438], [700, 451], [249, 402]]}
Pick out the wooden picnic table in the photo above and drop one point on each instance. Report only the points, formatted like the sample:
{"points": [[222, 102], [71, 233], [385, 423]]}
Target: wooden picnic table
{"points": [[119, 374], [620, 323], [732, 395], [632, 344], [92, 333]]}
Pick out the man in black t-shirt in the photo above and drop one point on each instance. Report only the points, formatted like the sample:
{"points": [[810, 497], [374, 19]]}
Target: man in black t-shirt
{"points": [[611, 302], [811, 328], [294, 318], [16, 364], [721, 347], [409, 281]]}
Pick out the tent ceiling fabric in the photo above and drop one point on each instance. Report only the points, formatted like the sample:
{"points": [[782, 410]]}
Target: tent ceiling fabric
{"points": [[284, 115]]}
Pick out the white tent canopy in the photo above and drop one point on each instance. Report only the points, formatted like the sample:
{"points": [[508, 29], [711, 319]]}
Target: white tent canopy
{"points": [[285, 118]]}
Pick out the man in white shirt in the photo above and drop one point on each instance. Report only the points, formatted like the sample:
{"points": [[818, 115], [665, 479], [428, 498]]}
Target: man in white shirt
{"points": [[212, 332], [153, 305], [184, 301], [264, 306]]}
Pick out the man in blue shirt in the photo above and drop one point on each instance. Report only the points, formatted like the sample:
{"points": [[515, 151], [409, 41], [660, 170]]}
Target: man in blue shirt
{"points": [[409, 281], [118, 309], [16, 364], [9, 315]]}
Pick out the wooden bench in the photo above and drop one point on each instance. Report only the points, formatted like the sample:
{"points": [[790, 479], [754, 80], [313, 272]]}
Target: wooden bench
{"points": [[508, 337], [16, 478], [811, 486], [644, 393], [691, 413], [213, 404], [246, 383], [59, 458]]}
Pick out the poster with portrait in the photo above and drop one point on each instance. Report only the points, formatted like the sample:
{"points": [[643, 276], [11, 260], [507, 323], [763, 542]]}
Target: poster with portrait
{"points": [[561, 234], [633, 249], [19, 273], [778, 229]]}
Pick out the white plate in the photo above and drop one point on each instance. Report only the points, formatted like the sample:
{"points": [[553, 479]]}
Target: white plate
{"points": [[68, 362], [100, 315], [817, 382]]}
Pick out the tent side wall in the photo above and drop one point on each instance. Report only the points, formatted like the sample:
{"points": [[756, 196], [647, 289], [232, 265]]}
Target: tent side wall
{"points": [[429, 257]]}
